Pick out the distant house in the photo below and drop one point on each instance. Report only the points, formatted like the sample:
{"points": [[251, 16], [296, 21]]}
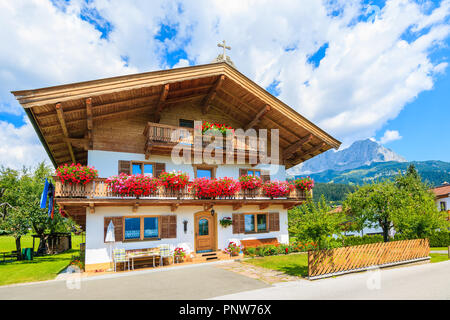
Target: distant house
{"points": [[443, 197]]}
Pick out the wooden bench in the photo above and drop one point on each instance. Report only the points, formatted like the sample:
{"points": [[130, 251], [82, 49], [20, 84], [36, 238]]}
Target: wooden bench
{"points": [[253, 243], [142, 261]]}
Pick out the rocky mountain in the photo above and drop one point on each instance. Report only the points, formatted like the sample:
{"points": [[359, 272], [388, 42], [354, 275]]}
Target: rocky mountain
{"points": [[360, 153], [434, 172]]}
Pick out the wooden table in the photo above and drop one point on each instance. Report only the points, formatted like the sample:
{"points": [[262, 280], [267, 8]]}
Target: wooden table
{"points": [[143, 255]]}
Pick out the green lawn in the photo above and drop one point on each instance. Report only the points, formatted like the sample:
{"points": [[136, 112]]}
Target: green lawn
{"points": [[438, 257], [292, 264], [439, 248], [41, 268]]}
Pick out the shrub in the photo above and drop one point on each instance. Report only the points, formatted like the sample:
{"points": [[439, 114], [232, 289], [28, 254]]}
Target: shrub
{"points": [[76, 173], [233, 249], [440, 239], [250, 251], [359, 240]]}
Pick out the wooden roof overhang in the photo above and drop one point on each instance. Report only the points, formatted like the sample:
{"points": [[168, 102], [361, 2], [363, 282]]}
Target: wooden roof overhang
{"points": [[63, 116]]}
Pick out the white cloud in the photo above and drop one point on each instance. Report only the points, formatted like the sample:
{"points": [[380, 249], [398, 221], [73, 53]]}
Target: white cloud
{"points": [[389, 136], [368, 75], [19, 146]]}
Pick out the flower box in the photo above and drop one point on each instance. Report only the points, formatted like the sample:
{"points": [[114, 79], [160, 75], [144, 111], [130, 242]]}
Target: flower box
{"points": [[76, 174], [277, 189], [305, 184], [174, 182], [133, 185]]}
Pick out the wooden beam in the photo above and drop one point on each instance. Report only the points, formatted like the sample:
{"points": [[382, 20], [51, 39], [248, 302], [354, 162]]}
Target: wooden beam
{"points": [[289, 151], [263, 206], [258, 117], [207, 206], [212, 94], [62, 122], [308, 153], [79, 143], [237, 206], [160, 104], [289, 206], [91, 208], [174, 207], [135, 207], [90, 122]]}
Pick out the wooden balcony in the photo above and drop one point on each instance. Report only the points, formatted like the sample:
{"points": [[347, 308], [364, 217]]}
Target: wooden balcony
{"points": [[159, 140], [98, 193]]}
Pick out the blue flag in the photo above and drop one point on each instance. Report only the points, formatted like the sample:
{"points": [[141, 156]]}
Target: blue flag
{"points": [[44, 195]]}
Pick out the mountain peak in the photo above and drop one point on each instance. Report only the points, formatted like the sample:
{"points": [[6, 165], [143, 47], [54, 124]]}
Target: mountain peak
{"points": [[360, 153]]}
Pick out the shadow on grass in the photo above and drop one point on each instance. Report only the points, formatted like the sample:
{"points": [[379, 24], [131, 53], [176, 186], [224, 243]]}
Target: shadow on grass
{"points": [[298, 270]]}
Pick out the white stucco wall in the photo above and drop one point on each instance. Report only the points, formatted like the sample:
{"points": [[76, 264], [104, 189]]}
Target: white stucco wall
{"points": [[99, 252], [106, 162], [447, 203]]}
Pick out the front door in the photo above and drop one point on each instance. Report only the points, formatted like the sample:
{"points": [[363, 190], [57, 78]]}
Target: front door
{"points": [[204, 232]]}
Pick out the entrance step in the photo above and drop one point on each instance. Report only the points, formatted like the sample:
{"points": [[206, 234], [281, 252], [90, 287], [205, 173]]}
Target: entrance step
{"points": [[210, 256]]}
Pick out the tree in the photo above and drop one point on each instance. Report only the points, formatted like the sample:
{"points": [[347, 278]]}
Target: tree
{"points": [[315, 222], [374, 205], [420, 216]]}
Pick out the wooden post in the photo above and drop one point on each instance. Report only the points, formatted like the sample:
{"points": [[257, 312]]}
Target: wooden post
{"points": [[449, 252]]}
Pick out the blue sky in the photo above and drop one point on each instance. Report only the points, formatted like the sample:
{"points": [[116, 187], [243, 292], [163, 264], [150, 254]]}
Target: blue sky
{"points": [[370, 69]]}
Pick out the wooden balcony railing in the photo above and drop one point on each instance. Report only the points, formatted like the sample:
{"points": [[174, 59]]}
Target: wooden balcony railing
{"points": [[98, 189], [162, 133]]}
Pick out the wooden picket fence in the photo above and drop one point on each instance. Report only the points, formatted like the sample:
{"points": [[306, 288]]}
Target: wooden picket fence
{"points": [[361, 257]]}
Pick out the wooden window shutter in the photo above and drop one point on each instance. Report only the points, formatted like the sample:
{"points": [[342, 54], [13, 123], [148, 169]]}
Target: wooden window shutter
{"points": [[265, 175], [238, 223], [159, 168], [118, 227], [124, 167], [274, 221], [242, 172], [168, 227]]}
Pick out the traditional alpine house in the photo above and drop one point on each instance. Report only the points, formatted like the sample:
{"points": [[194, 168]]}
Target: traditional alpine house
{"points": [[125, 125]]}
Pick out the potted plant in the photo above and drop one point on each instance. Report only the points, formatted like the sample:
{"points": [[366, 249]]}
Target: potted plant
{"points": [[133, 185], [233, 249], [250, 185], [305, 184], [277, 189], [204, 188], [225, 222], [227, 187], [76, 174], [179, 254], [216, 127], [174, 182]]}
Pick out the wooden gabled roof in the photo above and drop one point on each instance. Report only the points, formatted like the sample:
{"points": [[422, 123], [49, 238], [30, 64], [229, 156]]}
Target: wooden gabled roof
{"points": [[63, 116]]}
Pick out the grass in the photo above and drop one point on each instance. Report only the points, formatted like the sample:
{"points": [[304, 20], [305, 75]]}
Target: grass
{"points": [[438, 257], [40, 269], [439, 248], [292, 264]]}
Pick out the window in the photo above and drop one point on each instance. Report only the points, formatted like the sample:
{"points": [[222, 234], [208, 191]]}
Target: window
{"points": [[256, 222], [142, 168], [186, 123], [205, 171], [141, 228], [250, 172], [443, 206], [151, 227], [132, 228], [203, 227]]}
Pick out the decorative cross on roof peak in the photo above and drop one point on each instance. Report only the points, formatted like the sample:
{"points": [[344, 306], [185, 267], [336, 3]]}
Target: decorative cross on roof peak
{"points": [[225, 47]]}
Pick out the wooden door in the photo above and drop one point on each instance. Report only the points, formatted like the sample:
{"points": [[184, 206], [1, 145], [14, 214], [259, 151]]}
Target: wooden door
{"points": [[205, 232]]}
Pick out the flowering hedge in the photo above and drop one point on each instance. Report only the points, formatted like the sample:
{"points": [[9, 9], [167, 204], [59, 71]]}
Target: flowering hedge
{"points": [[249, 182], [76, 173], [133, 185], [277, 189], [174, 181], [223, 129], [270, 250], [304, 183]]}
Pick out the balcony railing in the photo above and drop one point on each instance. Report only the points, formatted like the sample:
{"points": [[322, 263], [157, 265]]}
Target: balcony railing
{"points": [[98, 189], [162, 133]]}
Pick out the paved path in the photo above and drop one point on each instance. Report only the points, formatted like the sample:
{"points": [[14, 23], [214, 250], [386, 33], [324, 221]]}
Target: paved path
{"points": [[190, 282], [427, 281]]}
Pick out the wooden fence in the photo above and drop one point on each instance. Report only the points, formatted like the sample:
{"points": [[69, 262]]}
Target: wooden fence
{"points": [[358, 258]]}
